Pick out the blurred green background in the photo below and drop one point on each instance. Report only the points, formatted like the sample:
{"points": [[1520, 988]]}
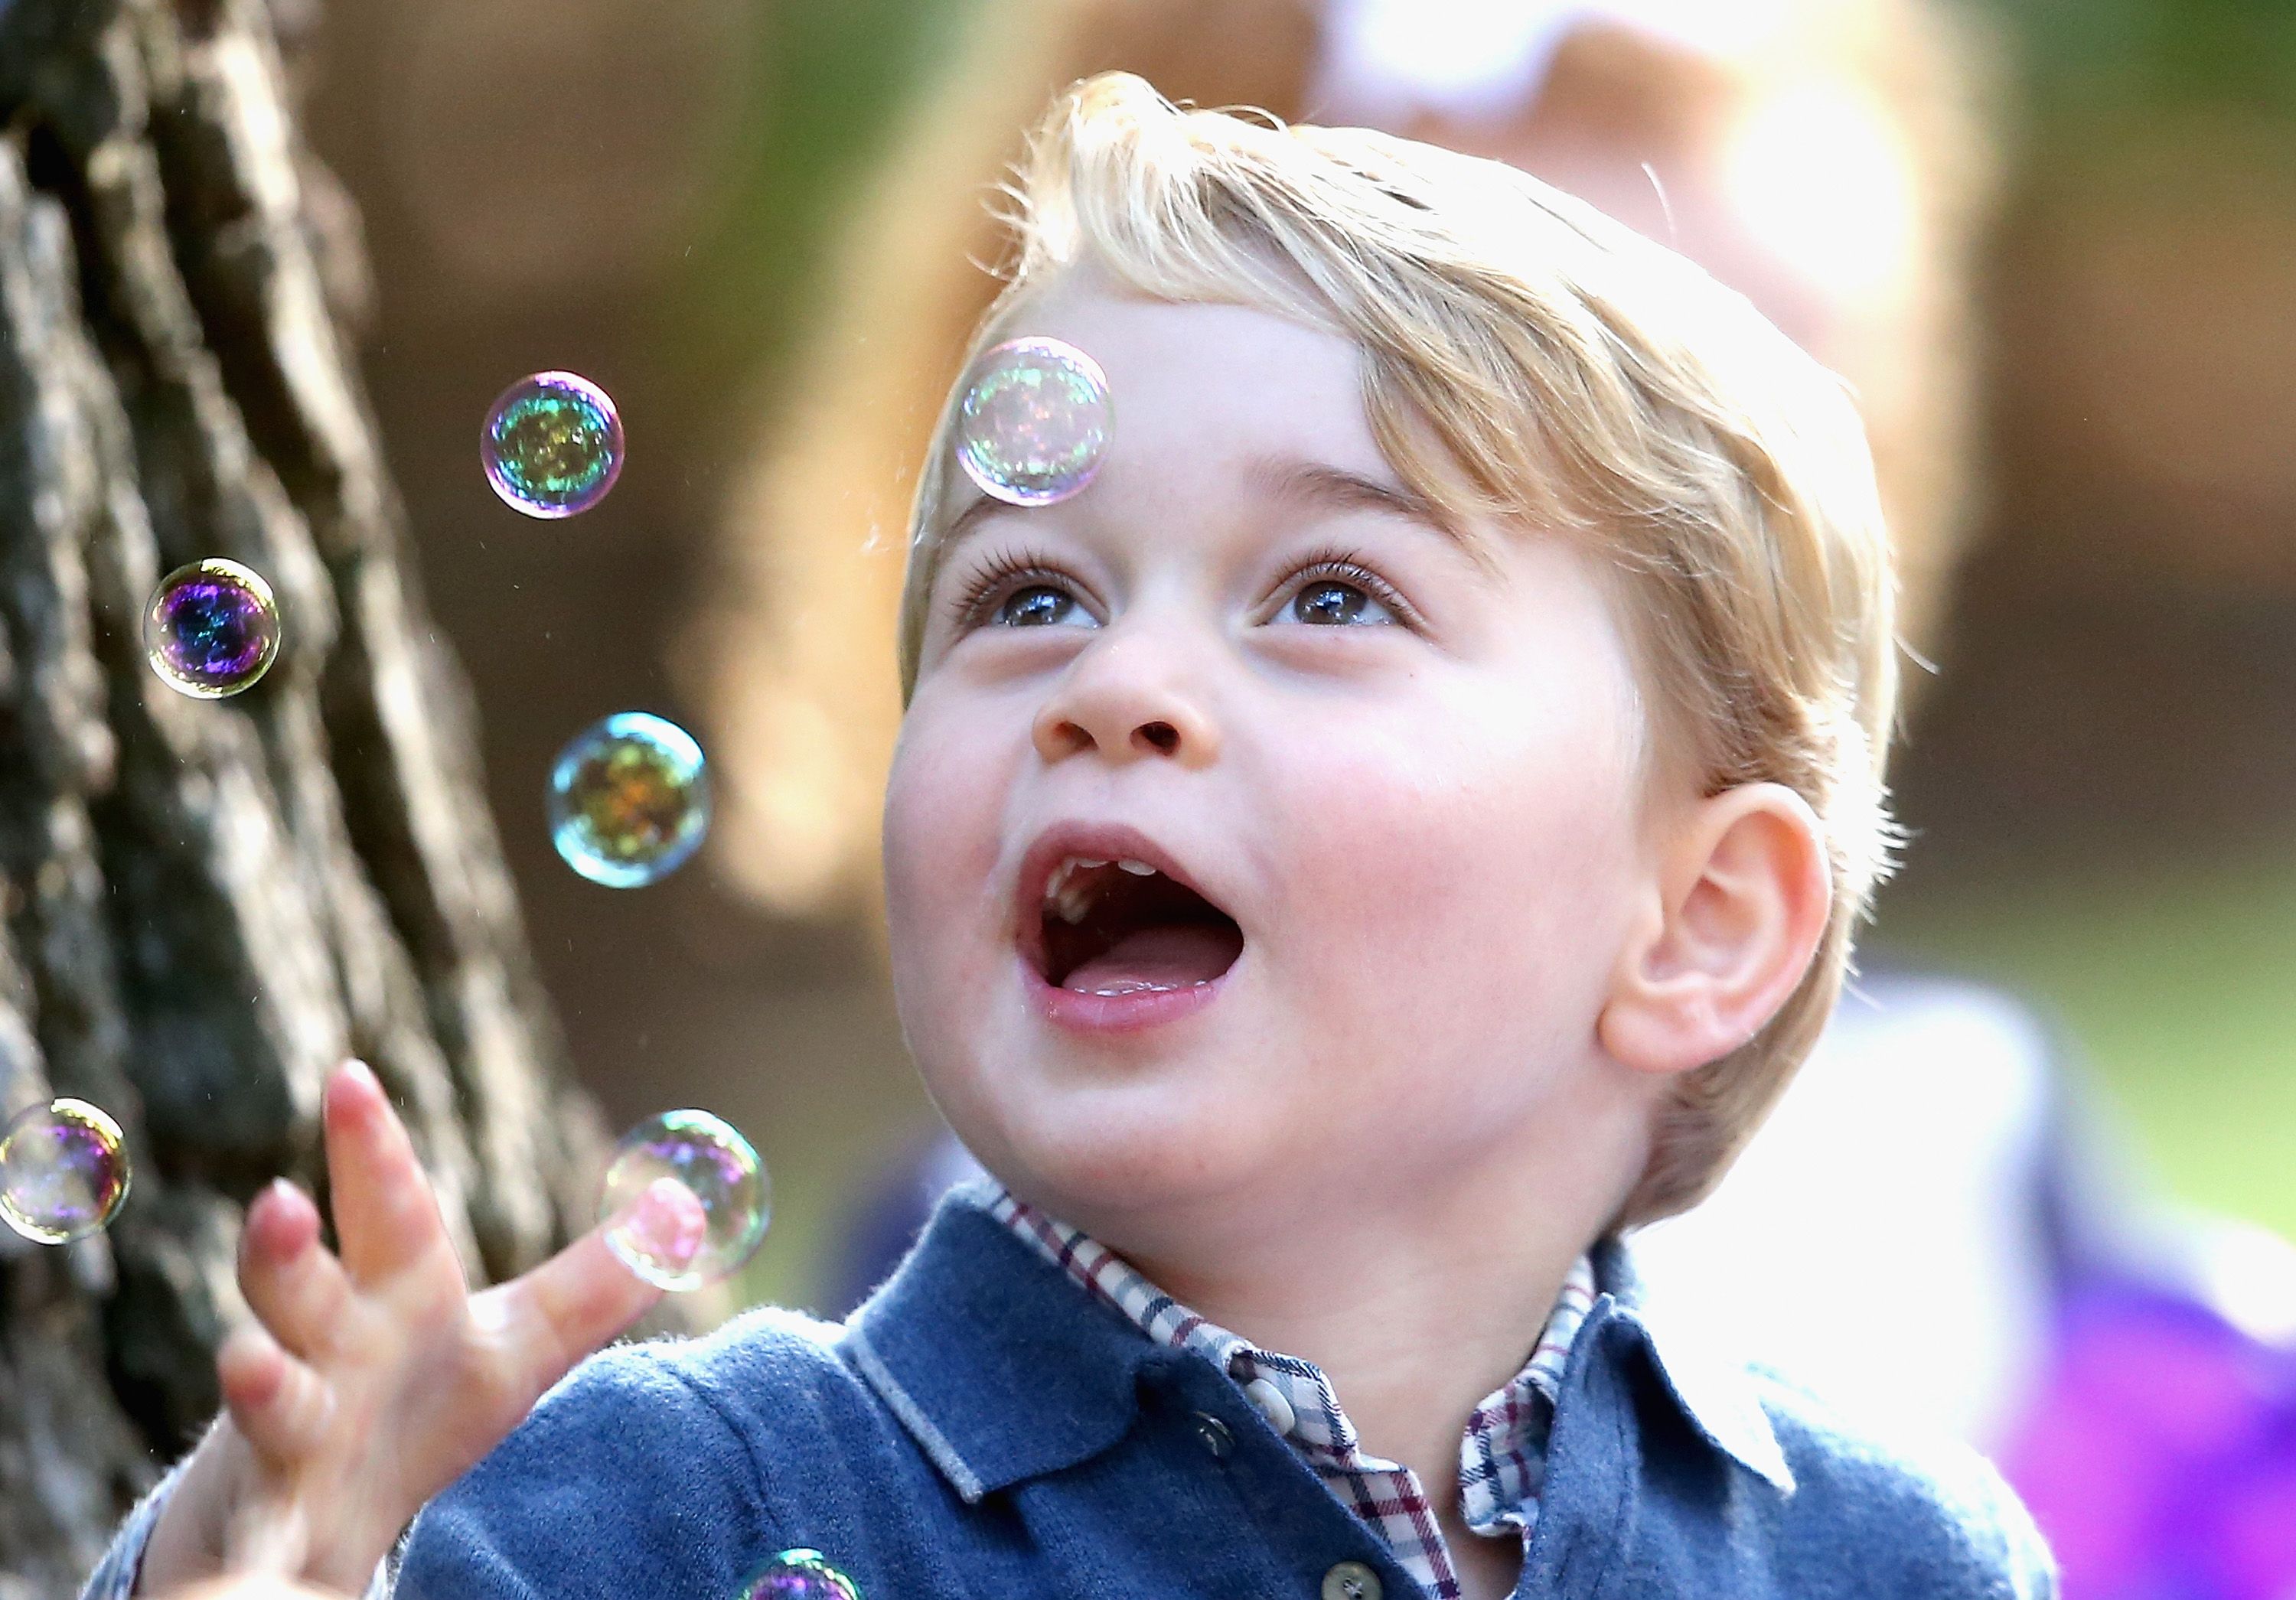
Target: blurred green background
{"points": [[2129, 863], [2176, 981]]}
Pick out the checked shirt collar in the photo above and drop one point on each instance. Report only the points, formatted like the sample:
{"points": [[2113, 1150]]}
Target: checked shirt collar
{"points": [[1502, 1456]]}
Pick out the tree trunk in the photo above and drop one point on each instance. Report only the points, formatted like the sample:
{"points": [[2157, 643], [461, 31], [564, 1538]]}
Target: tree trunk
{"points": [[204, 905]]}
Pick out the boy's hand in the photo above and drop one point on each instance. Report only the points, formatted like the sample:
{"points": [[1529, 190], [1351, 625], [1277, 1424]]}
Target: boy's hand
{"points": [[368, 1384]]}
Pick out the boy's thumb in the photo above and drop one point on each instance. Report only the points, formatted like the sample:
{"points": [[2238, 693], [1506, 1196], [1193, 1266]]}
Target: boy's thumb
{"points": [[663, 1231], [572, 1304]]}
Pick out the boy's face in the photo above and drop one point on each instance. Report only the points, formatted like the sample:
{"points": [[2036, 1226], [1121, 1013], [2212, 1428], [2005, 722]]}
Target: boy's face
{"points": [[1405, 785]]}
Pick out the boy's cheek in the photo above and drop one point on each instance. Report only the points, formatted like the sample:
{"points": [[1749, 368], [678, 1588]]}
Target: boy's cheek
{"points": [[1413, 913], [944, 793], [940, 851], [1432, 839]]}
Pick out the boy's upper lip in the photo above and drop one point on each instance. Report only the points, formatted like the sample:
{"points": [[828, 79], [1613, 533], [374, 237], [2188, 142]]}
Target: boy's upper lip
{"points": [[1093, 841]]}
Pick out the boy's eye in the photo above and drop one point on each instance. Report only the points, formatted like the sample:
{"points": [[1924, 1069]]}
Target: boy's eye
{"points": [[1039, 605], [1331, 602]]}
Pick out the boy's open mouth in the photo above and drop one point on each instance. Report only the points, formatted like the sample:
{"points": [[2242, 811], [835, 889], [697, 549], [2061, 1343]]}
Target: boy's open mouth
{"points": [[1122, 927]]}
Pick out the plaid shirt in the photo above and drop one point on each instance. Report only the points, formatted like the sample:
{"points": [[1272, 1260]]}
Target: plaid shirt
{"points": [[1502, 1457]]}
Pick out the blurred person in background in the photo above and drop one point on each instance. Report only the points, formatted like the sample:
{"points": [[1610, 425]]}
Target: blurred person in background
{"points": [[2135, 1373], [1827, 158]]}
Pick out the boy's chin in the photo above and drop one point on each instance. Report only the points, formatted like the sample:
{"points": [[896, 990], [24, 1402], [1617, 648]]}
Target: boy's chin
{"points": [[1146, 1165]]}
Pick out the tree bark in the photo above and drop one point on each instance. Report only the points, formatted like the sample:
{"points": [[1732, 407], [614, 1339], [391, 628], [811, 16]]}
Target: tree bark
{"points": [[205, 906]]}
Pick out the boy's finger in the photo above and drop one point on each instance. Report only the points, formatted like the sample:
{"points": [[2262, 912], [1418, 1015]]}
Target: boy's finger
{"points": [[268, 1536], [290, 1279], [279, 1405], [572, 1304], [258, 1588], [385, 1218]]}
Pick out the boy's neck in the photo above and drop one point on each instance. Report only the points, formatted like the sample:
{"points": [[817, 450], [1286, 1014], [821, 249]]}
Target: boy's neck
{"points": [[1417, 1305], [1412, 1339]]}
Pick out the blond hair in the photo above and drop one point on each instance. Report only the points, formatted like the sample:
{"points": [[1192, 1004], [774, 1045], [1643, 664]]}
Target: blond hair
{"points": [[1526, 358]]}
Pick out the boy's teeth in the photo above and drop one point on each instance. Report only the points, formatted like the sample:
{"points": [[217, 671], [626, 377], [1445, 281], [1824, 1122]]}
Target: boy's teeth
{"points": [[1067, 870], [1066, 895], [1066, 898]]}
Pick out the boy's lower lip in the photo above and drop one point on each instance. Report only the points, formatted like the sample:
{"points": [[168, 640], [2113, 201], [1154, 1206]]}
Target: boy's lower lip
{"points": [[1084, 1013]]}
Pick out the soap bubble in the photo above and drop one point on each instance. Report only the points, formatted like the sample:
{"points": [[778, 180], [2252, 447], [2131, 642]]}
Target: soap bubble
{"points": [[801, 1575], [212, 628], [629, 800], [63, 1171], [1034, 422], [714, 1164], [552, 445]]}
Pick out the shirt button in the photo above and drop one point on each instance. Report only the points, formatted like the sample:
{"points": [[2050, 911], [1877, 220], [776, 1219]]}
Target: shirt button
{"points": [[1270, 1403], [1351, 1580], [1214, 1435]]}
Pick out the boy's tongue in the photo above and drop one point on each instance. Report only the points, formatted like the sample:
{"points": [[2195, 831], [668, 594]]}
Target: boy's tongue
{"points": [[1165, 957]]}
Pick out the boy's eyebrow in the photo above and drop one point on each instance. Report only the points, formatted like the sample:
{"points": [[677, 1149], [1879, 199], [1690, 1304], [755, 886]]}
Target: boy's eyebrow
{"points": [[1319, 483], [964, 521], [1314, 482]]}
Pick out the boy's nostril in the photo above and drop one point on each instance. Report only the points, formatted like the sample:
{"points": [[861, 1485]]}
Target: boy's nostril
{"points": [[1163, 735]]}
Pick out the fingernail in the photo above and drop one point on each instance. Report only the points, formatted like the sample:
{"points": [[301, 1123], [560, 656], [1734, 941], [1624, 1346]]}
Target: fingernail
{"points": [[667, 1223], [278, 1237], [345, 1085]]}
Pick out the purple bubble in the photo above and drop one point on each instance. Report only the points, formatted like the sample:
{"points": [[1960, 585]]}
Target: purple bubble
{"points": [[63, 1171], [211, 629], [801, 1575]]}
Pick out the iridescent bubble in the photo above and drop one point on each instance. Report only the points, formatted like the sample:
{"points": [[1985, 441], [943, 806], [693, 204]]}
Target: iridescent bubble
{"points": [[629, 800], [1034, 422], [801, 1575], [63, 1171], [707, 1156], [212, 628], [552, 445]]}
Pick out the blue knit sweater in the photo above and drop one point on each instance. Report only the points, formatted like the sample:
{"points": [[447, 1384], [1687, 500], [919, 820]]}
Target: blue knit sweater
{"points": [[983, 1429]]}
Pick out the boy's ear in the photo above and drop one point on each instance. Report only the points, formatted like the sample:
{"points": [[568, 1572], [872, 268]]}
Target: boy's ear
{"points": [[1733, 915]]}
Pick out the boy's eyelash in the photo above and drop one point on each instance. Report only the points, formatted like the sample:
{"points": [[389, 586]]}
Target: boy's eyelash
{"points": [[1007, 571], [1346, 565]]}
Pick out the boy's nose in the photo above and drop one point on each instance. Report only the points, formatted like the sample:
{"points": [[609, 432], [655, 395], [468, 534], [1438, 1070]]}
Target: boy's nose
{"points": [[1125, 699]]}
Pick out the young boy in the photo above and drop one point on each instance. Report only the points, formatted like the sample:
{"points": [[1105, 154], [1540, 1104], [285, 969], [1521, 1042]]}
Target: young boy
{"points": [[1398, 827]]}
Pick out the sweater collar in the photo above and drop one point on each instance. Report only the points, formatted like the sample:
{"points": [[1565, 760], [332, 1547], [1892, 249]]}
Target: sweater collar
{"points": [[1714, 1392], [1003, 1370]]}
